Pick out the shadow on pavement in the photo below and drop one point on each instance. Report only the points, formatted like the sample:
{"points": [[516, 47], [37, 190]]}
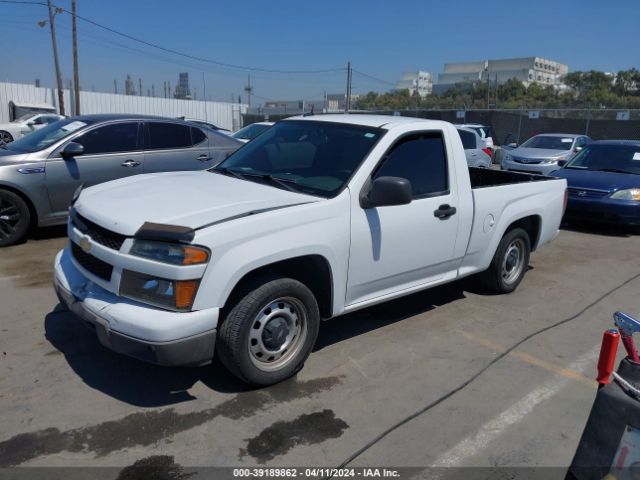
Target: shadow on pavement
{"points": [[127, 379], [146, 385], [44, 233], [598, 228], [363, 321]]}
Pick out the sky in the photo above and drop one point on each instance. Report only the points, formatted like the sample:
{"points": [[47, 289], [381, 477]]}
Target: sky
{"points": [[382, 39]]}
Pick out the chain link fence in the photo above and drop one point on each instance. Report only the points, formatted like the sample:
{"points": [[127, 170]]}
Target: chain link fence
{"points": [[521, 124]]}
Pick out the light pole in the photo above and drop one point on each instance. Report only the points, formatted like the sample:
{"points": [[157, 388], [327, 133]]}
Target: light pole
{"points": [[42, 23]]}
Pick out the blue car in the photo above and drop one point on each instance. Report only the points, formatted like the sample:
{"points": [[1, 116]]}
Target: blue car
{"points": [[604, 183]]}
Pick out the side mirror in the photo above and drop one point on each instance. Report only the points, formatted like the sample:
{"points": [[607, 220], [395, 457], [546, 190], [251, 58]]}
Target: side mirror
{"points": [[562, 163], [72, 149], [512, 145], [577, 149], [386, 192]]}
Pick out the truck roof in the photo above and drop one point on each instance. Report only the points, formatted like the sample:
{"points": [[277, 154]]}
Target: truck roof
{"points": [[378, 121]]}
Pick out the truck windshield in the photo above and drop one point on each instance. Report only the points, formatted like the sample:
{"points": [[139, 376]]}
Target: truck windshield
{"points": [[308, 156], [46, 136]]}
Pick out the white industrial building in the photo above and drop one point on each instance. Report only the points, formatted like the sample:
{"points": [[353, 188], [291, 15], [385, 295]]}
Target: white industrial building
{"points": [[528, 70], [416, 81]]}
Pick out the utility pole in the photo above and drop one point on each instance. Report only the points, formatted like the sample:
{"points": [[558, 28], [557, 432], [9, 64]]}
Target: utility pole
{"points": [[76, 74], [115, 85], [54, 44], [248, 89], [347, 103], [153, 90], [140, 85]]}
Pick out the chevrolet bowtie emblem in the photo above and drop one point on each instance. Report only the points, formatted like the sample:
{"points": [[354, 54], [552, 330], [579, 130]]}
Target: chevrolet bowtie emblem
{"points": [[582, 193], [85, 244]]}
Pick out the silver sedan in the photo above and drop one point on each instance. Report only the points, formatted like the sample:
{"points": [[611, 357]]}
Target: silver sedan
{"points": [[540, 154], [40, 172]]}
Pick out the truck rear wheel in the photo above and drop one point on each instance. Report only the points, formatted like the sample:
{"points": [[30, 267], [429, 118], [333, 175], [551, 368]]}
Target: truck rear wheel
{"points": [[509, 263], [269, 332]]}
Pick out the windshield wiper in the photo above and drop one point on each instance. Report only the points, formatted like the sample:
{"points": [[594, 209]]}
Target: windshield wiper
{"points": [[228, 171], [615, 170], [280, 182]]}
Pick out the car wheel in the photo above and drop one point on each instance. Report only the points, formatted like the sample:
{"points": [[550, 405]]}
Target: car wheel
{"points": [[269, 332], [14, 218], [509, 263], [5, 137]]}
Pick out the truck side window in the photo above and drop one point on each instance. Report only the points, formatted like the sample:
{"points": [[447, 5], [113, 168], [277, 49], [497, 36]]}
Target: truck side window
{"points": [[421, 159]]}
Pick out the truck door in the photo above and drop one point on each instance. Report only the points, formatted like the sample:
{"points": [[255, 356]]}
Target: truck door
{"points": [[399, 247]]}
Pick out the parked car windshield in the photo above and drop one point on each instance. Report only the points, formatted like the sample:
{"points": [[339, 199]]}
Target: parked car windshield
{"points": [[611, 158], [250, 131], [311, 157], [46, 136], [549, 142], [25, 117]]}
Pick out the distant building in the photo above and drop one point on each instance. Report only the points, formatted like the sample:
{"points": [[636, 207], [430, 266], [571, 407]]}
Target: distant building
{"points": [[419, 81], [129, 88], [528, 70], [182, 89]]}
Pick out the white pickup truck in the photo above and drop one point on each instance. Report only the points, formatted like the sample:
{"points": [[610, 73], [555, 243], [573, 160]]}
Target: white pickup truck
{"points": [[316, 217]]}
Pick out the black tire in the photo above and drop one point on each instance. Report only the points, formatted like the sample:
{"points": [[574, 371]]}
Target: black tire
{"points": [[496, 278], [15, 218], [250, 350], [6, 137]]}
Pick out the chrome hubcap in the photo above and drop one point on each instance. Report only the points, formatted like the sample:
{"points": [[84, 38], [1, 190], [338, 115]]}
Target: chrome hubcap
{"points": [[513, 261], [277, 334], [9, 218]]}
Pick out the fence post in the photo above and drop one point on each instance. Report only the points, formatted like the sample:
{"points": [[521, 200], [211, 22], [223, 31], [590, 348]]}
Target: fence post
{"points": [[520, 124], [586, 129]]}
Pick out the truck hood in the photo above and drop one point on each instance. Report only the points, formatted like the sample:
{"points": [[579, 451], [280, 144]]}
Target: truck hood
{"points": [[609, 181], [538, 153], [188, 199]]}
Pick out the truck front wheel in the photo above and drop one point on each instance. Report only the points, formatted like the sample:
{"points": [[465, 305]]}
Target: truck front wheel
{"points": [[269, 332], [509, 263]]}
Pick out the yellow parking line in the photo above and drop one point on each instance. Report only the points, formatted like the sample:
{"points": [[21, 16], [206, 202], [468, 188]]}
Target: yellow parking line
{"points": [[531, 360]]}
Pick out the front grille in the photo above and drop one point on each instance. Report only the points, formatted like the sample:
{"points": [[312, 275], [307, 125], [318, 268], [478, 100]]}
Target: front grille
{"points": [[531, 161], [97, 233], [94, 265], [586, 192]]}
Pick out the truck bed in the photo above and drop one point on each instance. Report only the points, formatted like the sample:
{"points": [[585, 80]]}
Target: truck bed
{"points": [[483, 177]]}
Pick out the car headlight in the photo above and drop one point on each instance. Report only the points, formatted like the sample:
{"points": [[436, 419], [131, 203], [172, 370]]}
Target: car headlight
{"points": [[508, 158], [627, 194], [173, 253], [161, 292], [553, 160]]}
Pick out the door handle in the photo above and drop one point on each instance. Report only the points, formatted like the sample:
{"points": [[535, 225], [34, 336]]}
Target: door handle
{"points": [[204, 158], [444, 211], [130, 163]]}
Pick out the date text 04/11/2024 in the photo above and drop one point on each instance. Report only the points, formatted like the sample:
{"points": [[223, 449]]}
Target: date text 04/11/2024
{"points": [[315, 472]]}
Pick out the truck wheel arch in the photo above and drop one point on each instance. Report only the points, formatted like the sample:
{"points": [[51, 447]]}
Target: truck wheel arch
{"points": [[531, 224], [312, 270]]}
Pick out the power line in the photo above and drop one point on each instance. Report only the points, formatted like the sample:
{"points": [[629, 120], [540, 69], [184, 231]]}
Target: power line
{"points": [[371, 77], [176, 52]]}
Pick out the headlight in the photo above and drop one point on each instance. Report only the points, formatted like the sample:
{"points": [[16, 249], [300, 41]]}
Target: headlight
{"points": [[173, 253], [553, 160], [169, 294], [507, 158], [628, 194]]}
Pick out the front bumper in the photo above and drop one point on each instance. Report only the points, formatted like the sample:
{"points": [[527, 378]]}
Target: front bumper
{"points": [[134, 329], [604, 210], [539, 168]]}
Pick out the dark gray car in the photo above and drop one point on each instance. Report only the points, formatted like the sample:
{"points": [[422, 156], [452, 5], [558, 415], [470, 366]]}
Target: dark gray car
{"points": [[40, 172]]}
